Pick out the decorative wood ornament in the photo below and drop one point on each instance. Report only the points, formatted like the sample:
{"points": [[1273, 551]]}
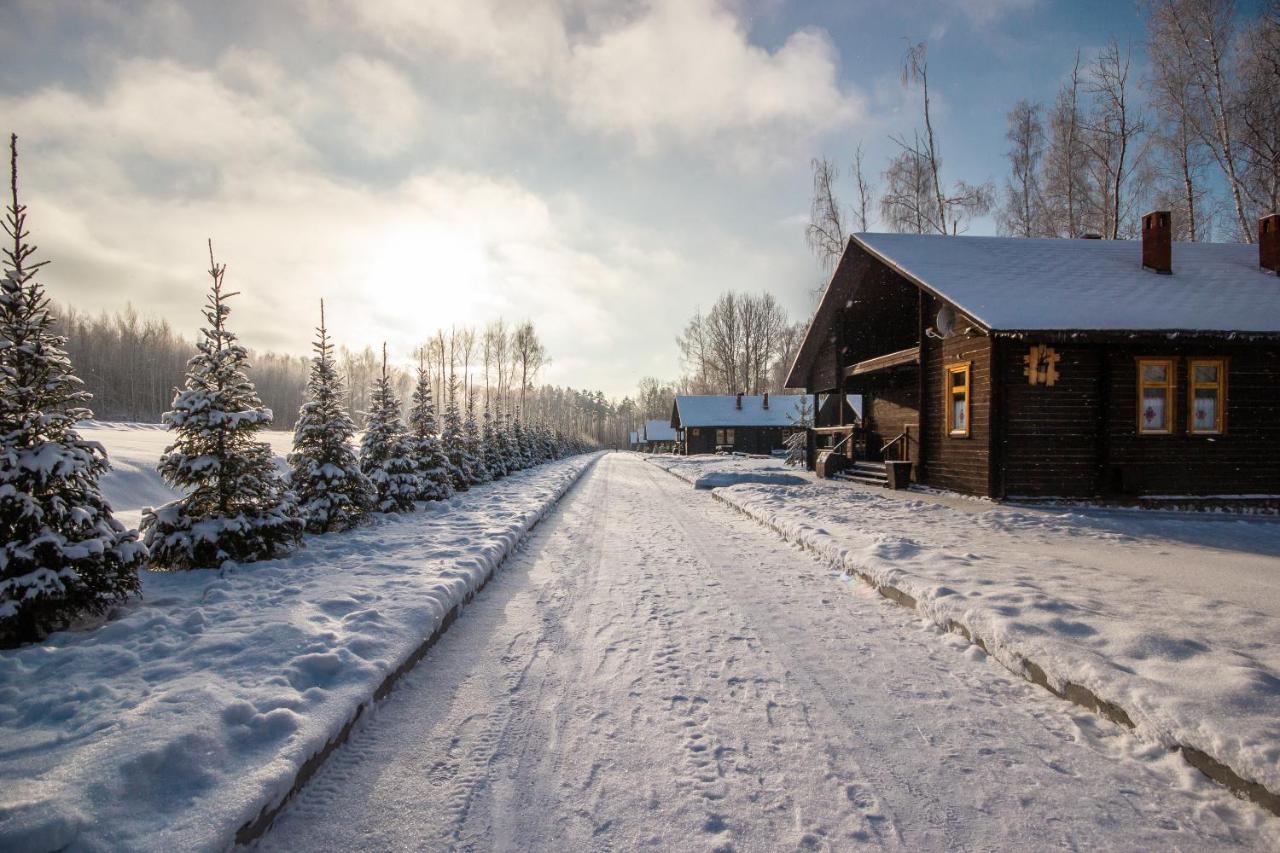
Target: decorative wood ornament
{"points": [[1041, 365]]}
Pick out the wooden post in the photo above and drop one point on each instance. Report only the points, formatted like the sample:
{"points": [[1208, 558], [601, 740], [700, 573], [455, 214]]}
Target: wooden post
{"points": [[923, 401]]}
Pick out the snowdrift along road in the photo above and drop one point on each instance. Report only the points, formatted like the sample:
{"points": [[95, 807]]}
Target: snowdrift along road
{"points": [[653, 670], [1172, 617], [172, 726]]}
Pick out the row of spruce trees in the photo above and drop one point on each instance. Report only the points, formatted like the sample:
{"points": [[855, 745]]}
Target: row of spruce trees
{"points": [[63, 554]]}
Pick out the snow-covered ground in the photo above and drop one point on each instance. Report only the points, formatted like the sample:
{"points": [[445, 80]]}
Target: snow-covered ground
{"points": [[654, 670], [1173, 617], [174, 724], [134, 451]]}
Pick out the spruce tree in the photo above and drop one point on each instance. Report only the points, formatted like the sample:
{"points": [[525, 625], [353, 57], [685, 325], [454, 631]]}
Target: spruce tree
{"points": [[475, 444], [385, 453], [236, 505], [454, 440], [333, 493], [434, 480], [62, 552], [520, 436], [493, 447]]}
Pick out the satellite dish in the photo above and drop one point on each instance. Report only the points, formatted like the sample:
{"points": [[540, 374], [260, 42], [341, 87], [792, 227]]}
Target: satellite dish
{"points": [[946, 321]]}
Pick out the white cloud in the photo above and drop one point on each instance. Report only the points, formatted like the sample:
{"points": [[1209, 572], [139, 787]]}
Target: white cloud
{"points": [[437, 248], [665, 73], [519, 40], [687, 71]]}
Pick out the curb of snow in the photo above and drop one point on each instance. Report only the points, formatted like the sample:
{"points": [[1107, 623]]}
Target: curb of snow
{"points": [[256, 828], [827, 548]]}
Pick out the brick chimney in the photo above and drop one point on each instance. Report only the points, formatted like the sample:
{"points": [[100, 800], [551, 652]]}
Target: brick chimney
{"points": [[1157, 242], [766, 399], [739, 400], [1269, 243]]}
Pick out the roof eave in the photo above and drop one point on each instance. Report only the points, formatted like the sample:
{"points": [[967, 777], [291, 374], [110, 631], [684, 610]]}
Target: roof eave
{"points": [[919, 282]]}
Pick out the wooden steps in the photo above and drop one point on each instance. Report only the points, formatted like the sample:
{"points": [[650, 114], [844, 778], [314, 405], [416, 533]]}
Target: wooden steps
{"points": [[867, 473]]}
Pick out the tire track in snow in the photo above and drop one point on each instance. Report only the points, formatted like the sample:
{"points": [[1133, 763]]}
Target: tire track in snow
{"points": [[652, 670]]}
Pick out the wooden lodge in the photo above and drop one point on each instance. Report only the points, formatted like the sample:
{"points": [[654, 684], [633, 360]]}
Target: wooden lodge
{"points": [[735, 423], [1047, 368], [658, 436]]}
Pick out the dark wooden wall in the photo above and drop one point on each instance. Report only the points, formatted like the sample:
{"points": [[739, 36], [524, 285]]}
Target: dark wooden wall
{"points": [[962, 464], [890, 402], [1245, 460], [1080, 439], [1051, 435], [762, 440]]}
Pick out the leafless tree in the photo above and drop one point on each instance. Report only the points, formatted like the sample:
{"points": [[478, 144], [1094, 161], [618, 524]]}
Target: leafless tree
{"points": [[1113, 138], [914, 200], [825, 232], [736, 345], [907, 203], [1202, 33], [466, 343], [1259, 112], [1022, 213], [866, 190], [529, 356], [1065, 170], [654, 399]]}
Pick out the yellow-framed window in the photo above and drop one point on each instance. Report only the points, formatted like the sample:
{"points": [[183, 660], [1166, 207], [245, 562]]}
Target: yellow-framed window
{"points": [[1207, 396], [1157, 383], [956, 399]]}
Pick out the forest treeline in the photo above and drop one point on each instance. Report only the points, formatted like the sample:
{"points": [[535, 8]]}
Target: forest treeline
{"points": [[131, 364], [1198, 134]]}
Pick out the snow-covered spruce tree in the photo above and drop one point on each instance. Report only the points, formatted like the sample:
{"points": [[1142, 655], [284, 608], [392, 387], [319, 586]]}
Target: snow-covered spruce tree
{"points": [[524, 448], [235, 504], [434, 480], [386, 456], [506, 440], [333, 493], [62, 553], [454, 439], [797, 443], [493, 447], [475, 444]]}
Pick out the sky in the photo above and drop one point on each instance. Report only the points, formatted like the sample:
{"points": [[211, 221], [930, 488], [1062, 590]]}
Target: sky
{"points": [[601, 168]]}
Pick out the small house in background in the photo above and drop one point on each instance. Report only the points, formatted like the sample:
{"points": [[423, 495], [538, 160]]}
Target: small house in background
{"points": [[633, 441], [736, 423], [658, 437], [1012, 367]]}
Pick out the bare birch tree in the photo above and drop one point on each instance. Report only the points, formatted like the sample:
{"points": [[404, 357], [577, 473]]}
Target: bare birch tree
{"points": [[825, 232], [1023, 213], [1113, 138], [1202, 34], [914, 200]]}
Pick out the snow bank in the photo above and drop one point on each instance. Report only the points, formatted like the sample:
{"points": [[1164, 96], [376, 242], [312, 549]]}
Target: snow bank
{"points": [[1174, 619], [134, 450], [175, 724]]}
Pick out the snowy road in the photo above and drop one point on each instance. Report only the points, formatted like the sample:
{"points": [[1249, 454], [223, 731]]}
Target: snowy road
{"points": [[654, 669]]}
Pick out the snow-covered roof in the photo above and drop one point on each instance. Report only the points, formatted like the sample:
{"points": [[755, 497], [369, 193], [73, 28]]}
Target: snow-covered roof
{"points": [[659, 430], [635, 438], [1012, 283], [721, 410]]}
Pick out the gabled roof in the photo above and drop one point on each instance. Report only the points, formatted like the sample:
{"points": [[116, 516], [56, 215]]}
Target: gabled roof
{"points": [[721, 410], [1015, 284], [1019, 284], [658, 430]]}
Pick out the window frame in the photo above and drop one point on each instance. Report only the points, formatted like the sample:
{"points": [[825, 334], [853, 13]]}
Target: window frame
{"points": [[949, 397], [1170, 385], [1220, 419]]}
